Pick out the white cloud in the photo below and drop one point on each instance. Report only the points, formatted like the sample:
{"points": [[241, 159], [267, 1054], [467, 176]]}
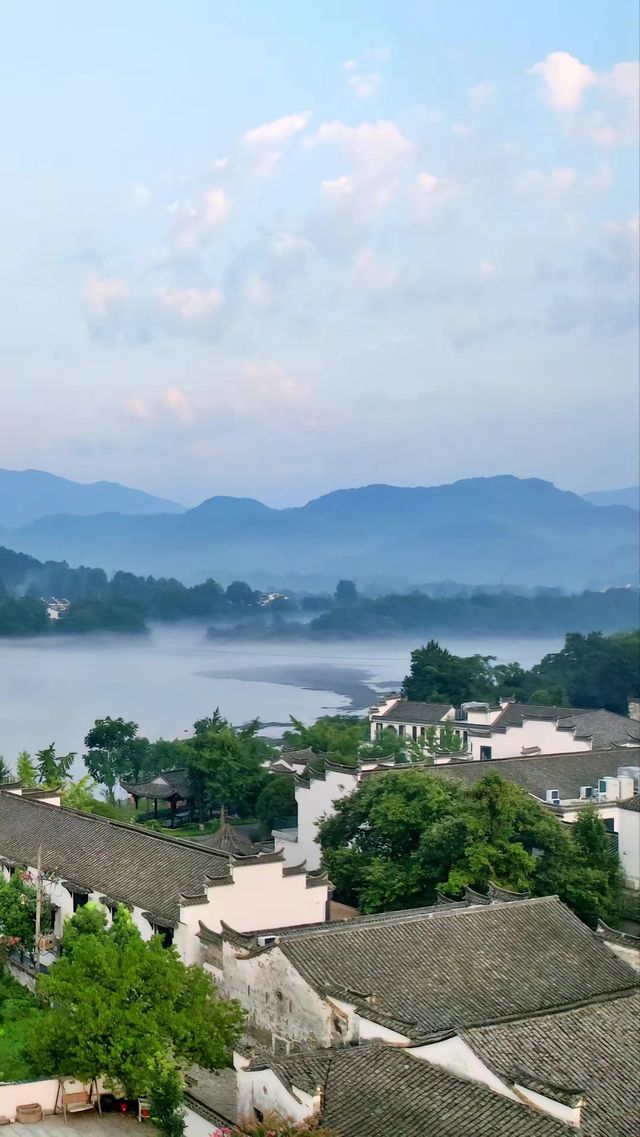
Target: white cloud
{"points": [[178, 404], [370, 271], [430, 191], [481, 94], [487, 270], [278, 131], [366, 84], [378, 154], [215, 207], [565, 179], [140, 196], [197, 221], [364, 79], [564, 80], [104, 293], [191, 304]]}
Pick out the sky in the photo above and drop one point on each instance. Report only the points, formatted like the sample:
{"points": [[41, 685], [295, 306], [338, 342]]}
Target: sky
{"points": [[271, 249]]}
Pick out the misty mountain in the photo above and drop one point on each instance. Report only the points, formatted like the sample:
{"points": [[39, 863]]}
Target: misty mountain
{"points": [[501, 530], [26, 495], [629, 496]]}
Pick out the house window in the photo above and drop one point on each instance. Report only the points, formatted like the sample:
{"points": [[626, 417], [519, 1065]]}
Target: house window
{"points": [[258, 1114], [465, 738], [401, 730], [485, 753], [79, 900], [378, 727], [166, 935], [414, 731]]}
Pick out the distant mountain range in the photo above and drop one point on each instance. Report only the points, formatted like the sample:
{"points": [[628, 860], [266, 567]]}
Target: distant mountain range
{"points": [[26, 495], [629, 496], [501, 530]]}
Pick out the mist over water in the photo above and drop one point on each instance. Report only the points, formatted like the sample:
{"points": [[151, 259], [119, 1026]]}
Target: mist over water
{"points": [[51, 690]]}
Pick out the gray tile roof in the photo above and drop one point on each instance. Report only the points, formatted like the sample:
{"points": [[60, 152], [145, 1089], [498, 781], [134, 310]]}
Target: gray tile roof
{"points": [[605, 728], [633, 804], [165, 785], [440, 969], [147, 869], [541, 772], [375, 1091], [230, 840], [593, 1048], [407, 710]]}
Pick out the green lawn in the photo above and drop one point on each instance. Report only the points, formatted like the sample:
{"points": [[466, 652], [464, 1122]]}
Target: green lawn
{"points": [[18, 1015]]}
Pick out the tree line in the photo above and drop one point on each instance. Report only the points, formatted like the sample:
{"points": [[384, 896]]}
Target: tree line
{"points": [[128, 603], [590, 670]]}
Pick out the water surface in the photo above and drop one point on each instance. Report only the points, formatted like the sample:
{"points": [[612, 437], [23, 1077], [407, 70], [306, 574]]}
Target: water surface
{"points": [[51, 690]]}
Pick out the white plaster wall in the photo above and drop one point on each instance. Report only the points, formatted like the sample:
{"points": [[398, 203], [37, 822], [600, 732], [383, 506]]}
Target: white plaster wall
{"points": [[533, 732], [313, 803], [457, 1057], [196, 1126], [628, 829], [261, 1089], [261, 897], [296, 1014], [43, 1093], [368, 1031], [566, 1113], [291, 849]]}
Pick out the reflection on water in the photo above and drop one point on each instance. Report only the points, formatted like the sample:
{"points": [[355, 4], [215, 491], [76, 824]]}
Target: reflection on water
{"points": [[52, 690]]}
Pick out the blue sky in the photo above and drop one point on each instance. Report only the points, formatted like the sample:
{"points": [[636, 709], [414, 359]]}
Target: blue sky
{"points": [[275, 248]]}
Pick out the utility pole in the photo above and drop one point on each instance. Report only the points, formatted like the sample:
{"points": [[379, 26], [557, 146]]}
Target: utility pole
{"points": [[36, 953]]}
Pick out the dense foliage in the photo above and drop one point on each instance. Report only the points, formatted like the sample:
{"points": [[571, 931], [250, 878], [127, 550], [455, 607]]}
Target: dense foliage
{"points": [[127, 603], [19, 1014], [273, 1125], [404, 837], [590, 671], [18, 911], [117, 1005]]}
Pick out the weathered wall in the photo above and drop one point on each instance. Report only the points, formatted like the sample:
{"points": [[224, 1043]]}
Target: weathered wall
{"points": [[261, 1089], [313, 802], [284, 1012]]}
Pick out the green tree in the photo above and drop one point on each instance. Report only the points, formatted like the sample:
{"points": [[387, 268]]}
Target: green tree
{"points": [[595, 670], [437, 676], [6, 773], [403, 837], [108, 751], [26, 772], [166, 1098], [117, 1005], [53, 769], [18, 911], [346, 594], [225, 765], [336, 737], [276, 800], [79, 795]]}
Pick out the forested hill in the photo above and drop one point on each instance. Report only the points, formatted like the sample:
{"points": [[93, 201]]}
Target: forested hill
{"points": [[26, 495], [501, 530], [128, 603]]}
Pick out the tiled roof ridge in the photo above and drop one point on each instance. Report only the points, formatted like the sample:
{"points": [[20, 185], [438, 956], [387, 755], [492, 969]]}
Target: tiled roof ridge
{"points": [[538, 757], [128, 826], [413, 915], [604, 931], [548, 1012]]}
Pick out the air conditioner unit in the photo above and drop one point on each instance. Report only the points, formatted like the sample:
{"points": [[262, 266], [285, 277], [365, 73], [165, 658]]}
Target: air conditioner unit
{"points": [[553, 797], [588, 792], [264, 941]]}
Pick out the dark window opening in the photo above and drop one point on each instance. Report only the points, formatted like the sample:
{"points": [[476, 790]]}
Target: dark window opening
{"points": [[414, 731], [259, 1115], [401, 730], [79, 900], [166, 935], [485, 753]]}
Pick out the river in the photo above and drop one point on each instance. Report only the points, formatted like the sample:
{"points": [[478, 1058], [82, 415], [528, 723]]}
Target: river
{"points": [[51, 690]]}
